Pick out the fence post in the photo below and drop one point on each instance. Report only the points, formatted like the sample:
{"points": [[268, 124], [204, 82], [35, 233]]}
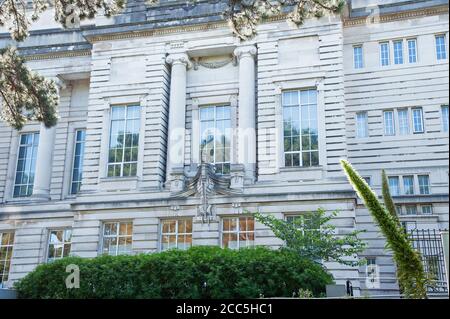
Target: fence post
{"points": [[445, 246]]}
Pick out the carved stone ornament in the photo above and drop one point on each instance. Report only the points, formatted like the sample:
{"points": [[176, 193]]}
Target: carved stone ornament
{"points": [[204, 184], [213, 64], [179, 58]]}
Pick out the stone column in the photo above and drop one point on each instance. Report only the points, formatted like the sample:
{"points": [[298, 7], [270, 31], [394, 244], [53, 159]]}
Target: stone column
{"points": [[177, 119], [247, 110], [44, 157]]}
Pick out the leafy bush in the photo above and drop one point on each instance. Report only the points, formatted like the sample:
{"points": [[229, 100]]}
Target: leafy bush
{"points": [[245, 273]]}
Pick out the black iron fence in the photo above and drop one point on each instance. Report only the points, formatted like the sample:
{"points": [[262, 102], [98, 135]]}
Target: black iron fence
{"points": [[429, 243]]}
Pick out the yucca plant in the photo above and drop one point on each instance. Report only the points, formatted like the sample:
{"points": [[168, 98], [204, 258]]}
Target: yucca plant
{"points": [[410, 272]]}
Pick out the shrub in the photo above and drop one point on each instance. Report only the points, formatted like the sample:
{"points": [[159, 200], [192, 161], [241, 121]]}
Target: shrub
{"points": [[245, 273]]}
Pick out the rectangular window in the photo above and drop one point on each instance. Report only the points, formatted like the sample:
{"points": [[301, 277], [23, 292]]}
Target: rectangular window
{"points": [[77, 167], [427, 210], [398, 52], [411, 209], [301, 139], [394, 186], [59, 244], [412, 50], [417, 120], [117, 238], [371, 260], [358, 57], [384, 53], [238, 232], [176, 234], [6, 250], [215, 143], [304, 222], [424, 184], [399, 209], [368, 180], [444, 109], [441, 50], [26, 165], [389, 126], [124, 141], [408, 185], [362, 124], [403, 121]]}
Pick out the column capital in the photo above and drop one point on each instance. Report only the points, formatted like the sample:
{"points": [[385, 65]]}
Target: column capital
{"points": [[245, 50], [179, 58]]}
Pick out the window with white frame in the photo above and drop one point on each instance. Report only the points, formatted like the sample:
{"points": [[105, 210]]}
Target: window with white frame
{"points": [[403, 121], [362, 125], [77, 167], [358, 57], [59, 243], [427, 209], [26, 165], [394, 185], [305, 222], [6, 250], [408, 185], [176, 234], [384, 53], [411, 209], [399, 209], [238, 232], [124, 140], [424, 184], [417, 117], [441, 50], [117, 238], [215, 132], [398, 52], [301, 137], [389, 123], [444, 111], [412, 50]]}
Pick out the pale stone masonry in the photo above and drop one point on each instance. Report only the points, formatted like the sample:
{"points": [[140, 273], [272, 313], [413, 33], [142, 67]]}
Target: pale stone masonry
{"points": [[165, 73]]}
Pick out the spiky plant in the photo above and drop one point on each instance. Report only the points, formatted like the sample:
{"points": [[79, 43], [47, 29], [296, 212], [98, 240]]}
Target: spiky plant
{"points": [[387, 198], [410, 272]]}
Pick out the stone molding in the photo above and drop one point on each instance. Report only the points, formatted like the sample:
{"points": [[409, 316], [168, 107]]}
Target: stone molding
{"points": [[245, 51]]}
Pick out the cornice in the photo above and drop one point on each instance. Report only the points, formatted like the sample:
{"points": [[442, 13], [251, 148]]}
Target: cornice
{"points": [[57, 55], [397, 16]]}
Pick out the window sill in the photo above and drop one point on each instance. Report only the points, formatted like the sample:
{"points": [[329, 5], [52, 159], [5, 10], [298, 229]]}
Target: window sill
{"points": [[119, 183], [301, 169]]}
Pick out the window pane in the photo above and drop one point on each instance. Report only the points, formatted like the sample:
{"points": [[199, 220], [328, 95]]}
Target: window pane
{"points": [[77, 169], [124, 141], [384, 53], [441, 51], [403, 121], [361, 124], [394, 186], [417, 120], [445, 118], [26, 165], [412, 51], [398, 52], [424, 184], [358, 57], [408, 185], [389, 128]]}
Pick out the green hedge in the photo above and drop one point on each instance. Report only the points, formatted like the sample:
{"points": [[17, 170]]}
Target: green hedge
{"points": [[244, 273]]}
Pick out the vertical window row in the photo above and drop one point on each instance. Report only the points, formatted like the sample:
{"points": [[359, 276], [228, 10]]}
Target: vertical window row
{"points": [[26, 165]]}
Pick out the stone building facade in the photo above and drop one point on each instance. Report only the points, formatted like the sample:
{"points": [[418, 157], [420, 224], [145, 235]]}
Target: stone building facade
{"points": [[148, 96]]}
